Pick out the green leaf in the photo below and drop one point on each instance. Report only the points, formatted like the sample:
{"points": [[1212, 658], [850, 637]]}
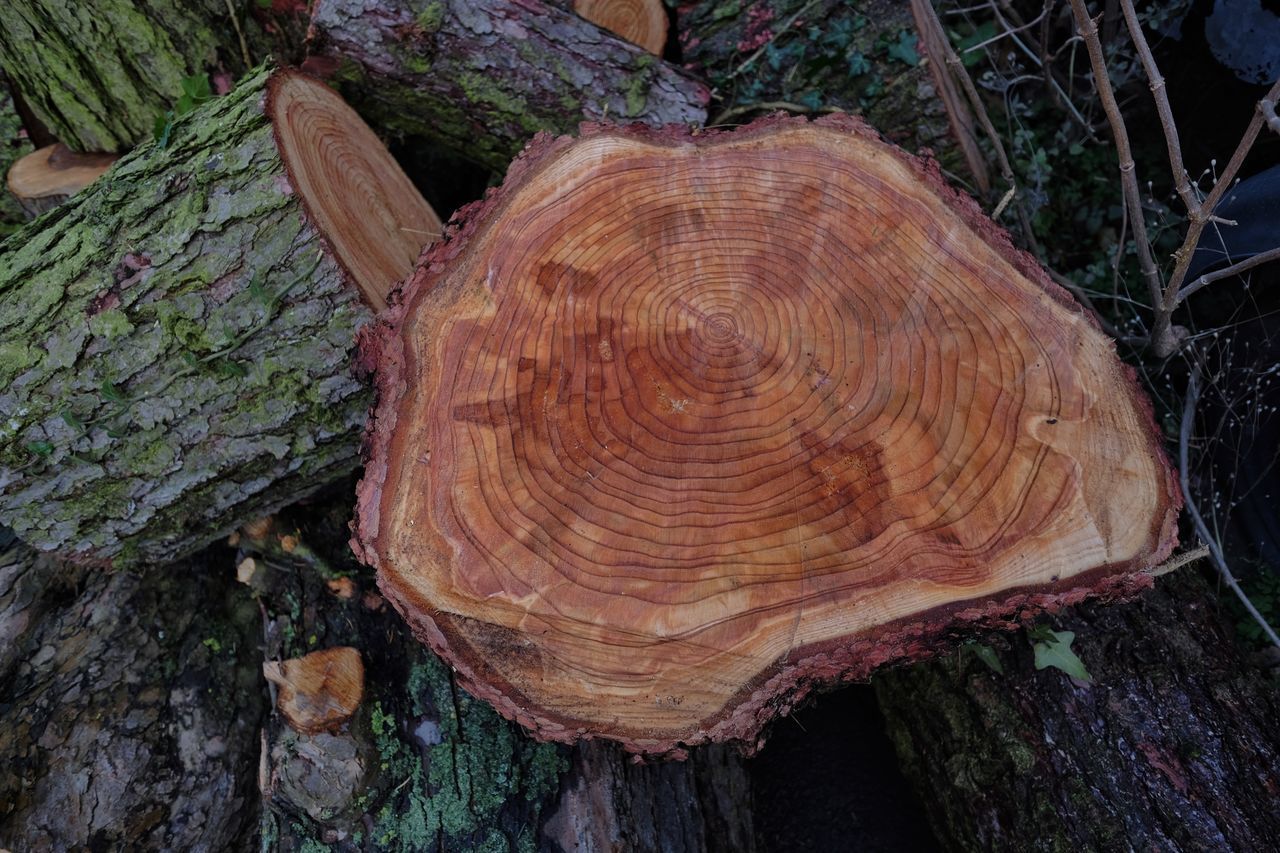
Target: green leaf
{"points": [[40, 448], [1058, 655], [987, 655], [69, 418], [164, 127], [197, 87], [113, 393], [904, 49]]}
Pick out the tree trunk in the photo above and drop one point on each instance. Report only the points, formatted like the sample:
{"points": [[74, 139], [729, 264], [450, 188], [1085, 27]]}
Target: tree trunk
{"points": [[176, 343], [98, 74], [422, 765], [482, 76], [678, 425], [129, 707], [1172, 746]]}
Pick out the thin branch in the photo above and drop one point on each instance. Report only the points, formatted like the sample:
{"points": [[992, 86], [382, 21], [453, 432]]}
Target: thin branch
{"points": [[1202, 529], [1179, 560], [1160, 94], [980, 111], [766, 106], [1227, 272], [1088, 29]]}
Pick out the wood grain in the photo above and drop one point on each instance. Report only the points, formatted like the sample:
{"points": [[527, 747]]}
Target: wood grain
{"points": [[673, 428], [641, 22]]}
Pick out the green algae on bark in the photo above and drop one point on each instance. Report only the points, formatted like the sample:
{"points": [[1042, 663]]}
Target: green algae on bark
{"points": [[175, 347], [483, 76]]}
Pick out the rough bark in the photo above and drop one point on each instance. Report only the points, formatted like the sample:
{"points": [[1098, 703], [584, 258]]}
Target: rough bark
{"points": [[97, 74], [129, 707], [14, 145], [1172, 746], [859, 57], [635, 488], [175, 345], [483, 76], [422, 766]]}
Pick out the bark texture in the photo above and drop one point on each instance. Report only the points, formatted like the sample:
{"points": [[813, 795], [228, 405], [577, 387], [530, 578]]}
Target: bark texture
{"points": [[14, 145], [483, 76], [174, 348], [97, 74], [129, 707], [1172, 746]]}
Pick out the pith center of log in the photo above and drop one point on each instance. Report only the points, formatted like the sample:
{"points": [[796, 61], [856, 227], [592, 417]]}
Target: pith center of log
{"points": [[678, 425]]}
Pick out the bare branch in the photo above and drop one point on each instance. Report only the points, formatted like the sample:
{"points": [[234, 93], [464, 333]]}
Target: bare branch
{"points": [[1088, 29], [1202, 529], [1226, 272]]}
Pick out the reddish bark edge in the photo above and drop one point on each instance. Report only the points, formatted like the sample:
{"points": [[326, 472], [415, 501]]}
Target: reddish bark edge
{"points": [[790, 680]]}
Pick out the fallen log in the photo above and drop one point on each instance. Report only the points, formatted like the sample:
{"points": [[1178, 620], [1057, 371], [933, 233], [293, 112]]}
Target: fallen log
{"points": [[1171, 745], [176, 341], [482, 76], [99, 77], [129, 707], [677, 426]]}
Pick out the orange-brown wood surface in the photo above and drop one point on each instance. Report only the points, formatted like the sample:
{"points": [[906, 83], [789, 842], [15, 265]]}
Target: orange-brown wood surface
{"points": [[641, 22], [673, 428]]}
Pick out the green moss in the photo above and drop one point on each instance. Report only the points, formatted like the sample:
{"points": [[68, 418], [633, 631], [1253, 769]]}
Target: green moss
{"points": [[431, 17], [110, 324], [15, 357]]}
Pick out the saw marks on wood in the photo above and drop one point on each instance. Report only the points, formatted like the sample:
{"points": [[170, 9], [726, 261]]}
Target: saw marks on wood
{"points": [[675, 417]]}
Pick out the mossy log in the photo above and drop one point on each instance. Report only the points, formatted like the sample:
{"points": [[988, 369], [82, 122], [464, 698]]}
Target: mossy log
{"points": [[1173, 745], [130, 706], [483, 76], [97, 74], [677, 426], [176, 342]]}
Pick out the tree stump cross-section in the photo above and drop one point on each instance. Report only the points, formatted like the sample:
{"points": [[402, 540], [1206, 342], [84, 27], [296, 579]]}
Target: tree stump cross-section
{"points": [[676, 426]]}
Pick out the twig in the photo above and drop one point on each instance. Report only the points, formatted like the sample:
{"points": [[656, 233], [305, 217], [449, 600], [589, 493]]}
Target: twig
{"points": [[1202, 529], [980, 111], [1088, 29], [1226, 272], [760, 106], [1179, 560], [244, 46]]}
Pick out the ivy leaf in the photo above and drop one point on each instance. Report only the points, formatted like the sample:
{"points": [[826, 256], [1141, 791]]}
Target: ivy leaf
{"points": [[40, 448], [904, 49], [113, 393], [987, 655], [1058, 654]]}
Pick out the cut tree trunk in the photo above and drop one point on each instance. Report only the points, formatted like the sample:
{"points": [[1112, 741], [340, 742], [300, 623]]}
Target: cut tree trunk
{"points": [[176, 342], [97, 74], [641, 22], [129, 707], [47, 177], [421, 765], [483, 76], [1172, 746], [677, 426]]}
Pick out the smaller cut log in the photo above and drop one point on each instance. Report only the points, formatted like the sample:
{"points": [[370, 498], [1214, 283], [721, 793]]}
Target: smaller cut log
{"points": [[176, 341], [481, 77], [48, 176], [320, 691], [641, 22], [678, 426]]}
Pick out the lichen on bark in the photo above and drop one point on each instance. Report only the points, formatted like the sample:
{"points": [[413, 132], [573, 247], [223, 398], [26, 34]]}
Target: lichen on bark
{"points": [[174, 348]]}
